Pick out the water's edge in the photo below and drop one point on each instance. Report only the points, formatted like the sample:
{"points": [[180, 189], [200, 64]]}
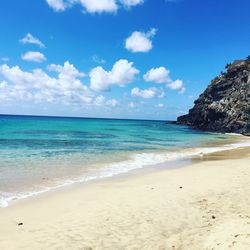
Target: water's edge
{"points": [[136, 162]]}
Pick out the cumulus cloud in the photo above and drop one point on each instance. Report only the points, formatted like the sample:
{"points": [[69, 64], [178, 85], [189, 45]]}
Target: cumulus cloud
{"points": [[129, 3], [101, 101], [112, 103], [93, 6], [37, 86], [162, 75], [67, 71], [99, 6], [147, 93], [157, 75], [182, 90], [160, 105], [176, 85], [57, 5], [121, 74], [98, 60], [3, 84], [140, 41], [30, 39], [34, 56], [131, 105]]}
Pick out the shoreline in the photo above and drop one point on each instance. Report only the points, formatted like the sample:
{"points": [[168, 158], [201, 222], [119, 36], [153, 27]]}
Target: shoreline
{"points": [[179, 160], [200, 206]]}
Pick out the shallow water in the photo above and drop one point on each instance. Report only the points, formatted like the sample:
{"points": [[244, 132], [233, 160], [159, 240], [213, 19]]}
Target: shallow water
{"points": [[40, 153]]}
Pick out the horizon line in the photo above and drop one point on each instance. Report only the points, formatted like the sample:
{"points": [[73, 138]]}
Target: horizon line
{"points": [[83, 117]]}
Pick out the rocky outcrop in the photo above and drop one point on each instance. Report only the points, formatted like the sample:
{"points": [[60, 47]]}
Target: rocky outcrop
{"points": [[225, 104]]}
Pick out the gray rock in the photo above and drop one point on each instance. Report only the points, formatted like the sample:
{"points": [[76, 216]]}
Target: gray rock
{"points": [[225, 105]]}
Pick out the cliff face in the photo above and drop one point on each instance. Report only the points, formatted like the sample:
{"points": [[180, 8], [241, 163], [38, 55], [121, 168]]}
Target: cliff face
{"points": [[225, 104]]}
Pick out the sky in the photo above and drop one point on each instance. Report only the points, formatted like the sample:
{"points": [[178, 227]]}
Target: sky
{"points": [[145, 59]]}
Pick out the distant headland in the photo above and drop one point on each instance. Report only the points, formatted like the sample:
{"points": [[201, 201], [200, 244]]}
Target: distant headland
{"points": [[225, 105]]}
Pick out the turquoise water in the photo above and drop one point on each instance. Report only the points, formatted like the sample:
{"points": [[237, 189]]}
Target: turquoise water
{"points": [[40, 153]]}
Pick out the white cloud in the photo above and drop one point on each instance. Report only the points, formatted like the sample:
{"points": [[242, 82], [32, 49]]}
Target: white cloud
{"points": [[112, 103], [176, 85], [30, 39], [101, 101], [147, 93], [161, 94], [157, 75], [129, 3], [121, 74], [162, 75], [93, 6], [97, 59], [131, 105], [99, 6], [57, 5], [34, 56], [37, 86], [160, 105], [182, 90], [3, 84], [140, 41], [67, 71]]}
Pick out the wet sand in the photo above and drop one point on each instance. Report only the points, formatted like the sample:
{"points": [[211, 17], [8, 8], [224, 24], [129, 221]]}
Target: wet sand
{"points": [[205, 205]]}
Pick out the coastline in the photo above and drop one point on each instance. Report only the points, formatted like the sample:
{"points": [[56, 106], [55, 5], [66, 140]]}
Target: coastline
{"points": [[138, 163], [125, 125], [200, 206]]}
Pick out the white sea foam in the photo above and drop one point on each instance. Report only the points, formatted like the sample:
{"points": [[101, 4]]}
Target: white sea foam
{"points": [[233, 134], [136, 161]]}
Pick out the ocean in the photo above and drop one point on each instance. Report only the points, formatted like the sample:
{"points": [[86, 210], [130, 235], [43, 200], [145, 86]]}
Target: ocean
{"points": [[38, 154]]}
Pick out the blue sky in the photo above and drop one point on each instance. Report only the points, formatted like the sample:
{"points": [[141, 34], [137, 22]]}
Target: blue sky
{"points": [[115, 58]]}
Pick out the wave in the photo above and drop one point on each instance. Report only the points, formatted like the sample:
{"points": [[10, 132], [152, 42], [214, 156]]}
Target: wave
{"points": [[136, 161]]}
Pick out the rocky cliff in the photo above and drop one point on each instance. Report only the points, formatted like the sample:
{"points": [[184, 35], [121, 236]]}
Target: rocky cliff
{"points": [[225, 104]]}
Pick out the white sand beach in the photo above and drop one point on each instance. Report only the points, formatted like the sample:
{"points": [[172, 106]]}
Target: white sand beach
{"points": [[202, 206]]}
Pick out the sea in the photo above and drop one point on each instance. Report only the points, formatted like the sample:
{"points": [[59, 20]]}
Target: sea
{"points": [[39, 154]]}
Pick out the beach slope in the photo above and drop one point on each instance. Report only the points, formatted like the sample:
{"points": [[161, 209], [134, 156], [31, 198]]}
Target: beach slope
{"points": [[202, 206]]}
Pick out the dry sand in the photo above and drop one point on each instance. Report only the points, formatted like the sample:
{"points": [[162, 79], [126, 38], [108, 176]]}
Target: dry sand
{"points": [[202, 206]]}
